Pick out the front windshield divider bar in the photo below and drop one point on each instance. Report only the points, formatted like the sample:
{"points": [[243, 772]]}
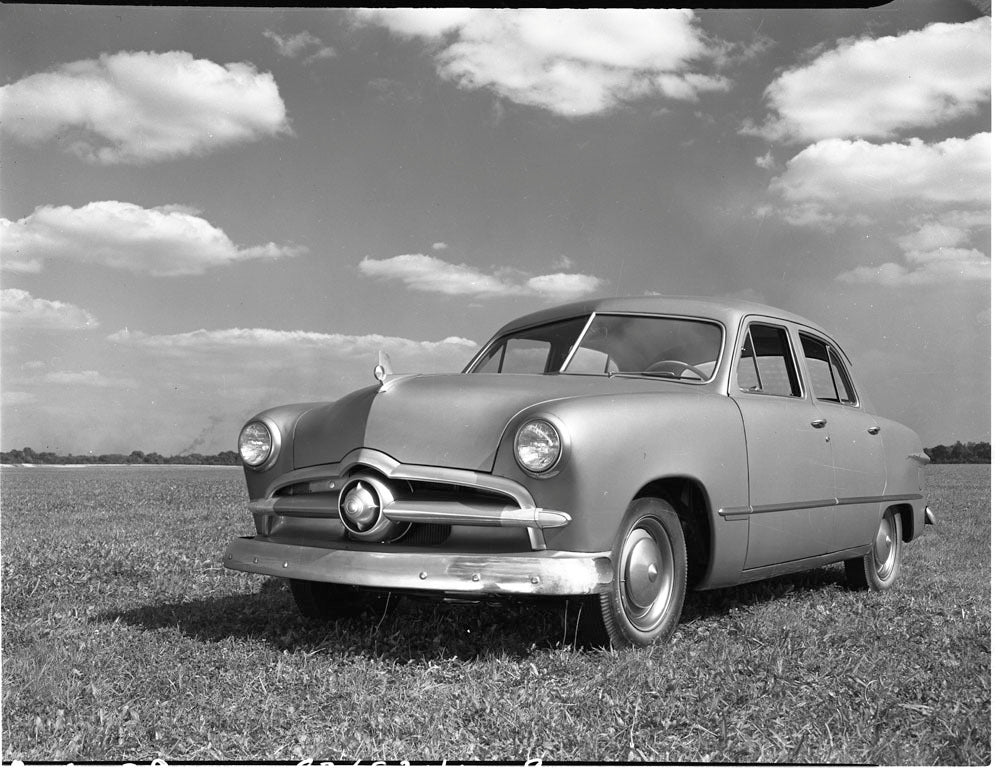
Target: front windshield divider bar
{"points": [[576, 344]]}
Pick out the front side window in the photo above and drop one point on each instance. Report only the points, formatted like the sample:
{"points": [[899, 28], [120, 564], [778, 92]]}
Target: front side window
{"points": [[827, 373], [664, 347], [766, 364]]}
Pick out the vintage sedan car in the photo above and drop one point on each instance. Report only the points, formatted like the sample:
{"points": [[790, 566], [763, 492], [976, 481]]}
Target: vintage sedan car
{"points": [[620, 450]]}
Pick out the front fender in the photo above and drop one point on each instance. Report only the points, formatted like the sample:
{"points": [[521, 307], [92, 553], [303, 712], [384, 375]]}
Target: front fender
{"points": [[619, 444]]}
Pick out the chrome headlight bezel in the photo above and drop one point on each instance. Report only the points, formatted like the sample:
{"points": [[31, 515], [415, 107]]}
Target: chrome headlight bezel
{"points": [[274, 435], [540, 428]]}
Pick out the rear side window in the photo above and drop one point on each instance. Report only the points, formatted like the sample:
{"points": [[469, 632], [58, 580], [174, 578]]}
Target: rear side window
{"points": [[827, 372], [766, 364]]}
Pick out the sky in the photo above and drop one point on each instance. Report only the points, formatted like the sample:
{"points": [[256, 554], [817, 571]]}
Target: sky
{"points": [[206, 212]]}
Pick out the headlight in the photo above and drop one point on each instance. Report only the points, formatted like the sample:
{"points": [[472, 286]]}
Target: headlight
{"points": [[256, 444], [537, 446]]}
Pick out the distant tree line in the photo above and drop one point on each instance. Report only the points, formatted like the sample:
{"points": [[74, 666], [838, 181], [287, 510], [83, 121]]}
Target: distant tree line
{"points": [[28, 455], [959, 452]]}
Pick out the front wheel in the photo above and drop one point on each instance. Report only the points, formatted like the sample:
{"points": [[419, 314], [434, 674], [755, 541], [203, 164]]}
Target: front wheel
{"points": [[644, 602], [878, 569], [329, 601]]}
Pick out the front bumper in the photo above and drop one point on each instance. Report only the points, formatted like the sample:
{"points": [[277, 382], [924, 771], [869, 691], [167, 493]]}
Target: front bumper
{"points": [[536, 573]]}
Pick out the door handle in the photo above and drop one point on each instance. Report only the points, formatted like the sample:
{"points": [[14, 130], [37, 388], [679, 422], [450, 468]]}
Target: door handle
{"points": [[874, 430], [821, 423]]}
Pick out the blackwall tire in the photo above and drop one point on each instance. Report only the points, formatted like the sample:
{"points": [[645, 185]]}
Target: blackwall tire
{"points": [[878, 569], [649, 558]]}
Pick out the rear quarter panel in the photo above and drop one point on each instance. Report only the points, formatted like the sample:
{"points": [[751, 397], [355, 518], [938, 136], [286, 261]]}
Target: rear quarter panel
{"points": [[905, 466]]}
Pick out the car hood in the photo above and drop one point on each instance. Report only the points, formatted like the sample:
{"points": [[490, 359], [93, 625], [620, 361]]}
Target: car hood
{"points": [[450, 420]]}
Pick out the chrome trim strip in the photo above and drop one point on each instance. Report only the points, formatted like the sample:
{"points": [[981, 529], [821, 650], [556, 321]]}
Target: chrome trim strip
{"points": [[548, 573], [881, 499], [457, 513], [729, 511], [921, 457]]}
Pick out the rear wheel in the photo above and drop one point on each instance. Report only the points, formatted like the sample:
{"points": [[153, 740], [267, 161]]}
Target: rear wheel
{"points": [[644, 602], [878, 569], [330, 601]]}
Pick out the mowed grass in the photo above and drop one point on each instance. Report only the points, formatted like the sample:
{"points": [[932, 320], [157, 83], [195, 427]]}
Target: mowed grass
{"points": [[124, 639]]}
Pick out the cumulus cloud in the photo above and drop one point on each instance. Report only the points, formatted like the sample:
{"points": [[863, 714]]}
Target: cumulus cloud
{"points": [[143, 107], [937, 249], [931, 198], [838, 181], [569, 61], [431, 274], [19, 309], [165, 241], [303, 45], [851, 176], [877, 88]]}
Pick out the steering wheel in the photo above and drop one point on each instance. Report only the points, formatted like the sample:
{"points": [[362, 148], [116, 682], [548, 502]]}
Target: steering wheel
{"points": [[675, 368]]}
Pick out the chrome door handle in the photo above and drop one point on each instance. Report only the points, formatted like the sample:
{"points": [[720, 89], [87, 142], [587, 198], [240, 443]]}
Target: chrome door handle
{"points": [[874, 429], [818, 423]]}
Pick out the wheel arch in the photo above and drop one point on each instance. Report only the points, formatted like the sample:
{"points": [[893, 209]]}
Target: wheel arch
{"points": [[906, 517], [689, 498]]}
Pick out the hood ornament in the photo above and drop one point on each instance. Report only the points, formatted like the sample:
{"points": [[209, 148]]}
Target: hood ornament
{"points": [[383, 369]]}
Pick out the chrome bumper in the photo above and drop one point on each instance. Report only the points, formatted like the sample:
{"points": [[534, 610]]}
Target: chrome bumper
{"points": [[538, 573]]}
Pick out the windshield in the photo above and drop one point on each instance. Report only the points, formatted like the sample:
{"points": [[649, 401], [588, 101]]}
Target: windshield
{"points": [[667, 347]]}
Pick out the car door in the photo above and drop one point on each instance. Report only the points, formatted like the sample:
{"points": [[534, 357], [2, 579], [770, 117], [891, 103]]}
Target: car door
{"points": [[789, 457], [858, 457]]}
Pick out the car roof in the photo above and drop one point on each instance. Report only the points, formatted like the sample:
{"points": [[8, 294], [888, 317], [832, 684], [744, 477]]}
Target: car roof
{"points": [[729, 311]]}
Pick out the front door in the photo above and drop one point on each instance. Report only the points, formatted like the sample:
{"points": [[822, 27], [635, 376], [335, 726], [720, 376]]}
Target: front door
{"points": [[790, 458]]}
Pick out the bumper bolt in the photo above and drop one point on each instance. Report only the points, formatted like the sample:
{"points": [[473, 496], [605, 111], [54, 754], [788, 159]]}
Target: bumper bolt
{"points": [[475, 578], [535, 580], [423, 575]]}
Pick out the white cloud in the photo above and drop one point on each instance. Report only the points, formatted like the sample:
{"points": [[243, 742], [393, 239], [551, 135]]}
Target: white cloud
{"points": [[853, 176], [164, 241], [877, 88], [562, 285], [87, 378], [766, 161], [939, 249], [303, 44], [17, 398], [285, 342], [972, 266], [931, 198], [568, 61], [142, 107], [19, 309], [431, 274]]}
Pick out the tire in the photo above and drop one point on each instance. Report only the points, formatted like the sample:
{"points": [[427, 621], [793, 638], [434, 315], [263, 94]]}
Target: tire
{"points": [[649, 558], [878, 569], [329, 601]]}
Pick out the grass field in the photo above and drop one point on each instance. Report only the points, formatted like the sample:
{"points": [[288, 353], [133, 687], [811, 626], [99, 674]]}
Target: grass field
{"points": [[124, 639]]}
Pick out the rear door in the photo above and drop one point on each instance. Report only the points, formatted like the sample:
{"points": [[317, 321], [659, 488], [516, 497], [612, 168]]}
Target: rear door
{"points": [[789, 456], [858, 458]]}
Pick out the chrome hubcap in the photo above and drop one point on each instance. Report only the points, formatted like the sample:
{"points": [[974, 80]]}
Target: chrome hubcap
{"points": [[886, 544], [645, 574]]}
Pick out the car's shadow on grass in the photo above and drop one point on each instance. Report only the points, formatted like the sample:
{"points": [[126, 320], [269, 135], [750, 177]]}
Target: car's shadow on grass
{"points": [[425, 629]]}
